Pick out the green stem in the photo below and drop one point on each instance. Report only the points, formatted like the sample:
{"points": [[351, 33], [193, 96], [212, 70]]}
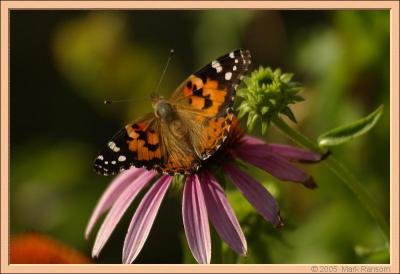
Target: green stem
{"points": [[341, 172], [216, 245]]}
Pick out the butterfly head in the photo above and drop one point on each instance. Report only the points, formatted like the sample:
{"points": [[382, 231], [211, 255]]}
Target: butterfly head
{"points": [[162, 108]]}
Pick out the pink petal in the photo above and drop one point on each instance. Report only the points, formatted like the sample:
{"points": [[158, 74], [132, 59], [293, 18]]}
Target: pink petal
{"points": [[143, 219], [289, 152], [114, 190], [222, 215], [295, 153], [195, 220], [250, 140], [256, 194], [274, 164], [118, 209]]}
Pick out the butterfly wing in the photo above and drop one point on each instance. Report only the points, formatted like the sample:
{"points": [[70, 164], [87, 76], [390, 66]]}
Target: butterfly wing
{"points": [[212, 89], [137, 144], [205, 99], [203, 105]]}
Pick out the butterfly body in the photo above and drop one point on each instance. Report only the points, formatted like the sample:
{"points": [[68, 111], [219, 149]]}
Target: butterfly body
{"points": [[164, 110], [184, 130]]}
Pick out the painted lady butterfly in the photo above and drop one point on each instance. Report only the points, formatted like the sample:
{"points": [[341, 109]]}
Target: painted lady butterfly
{"points": [[184, 130]]}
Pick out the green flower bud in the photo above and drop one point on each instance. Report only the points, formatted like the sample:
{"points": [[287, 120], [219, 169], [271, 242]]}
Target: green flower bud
{"points": [[266, 93]]}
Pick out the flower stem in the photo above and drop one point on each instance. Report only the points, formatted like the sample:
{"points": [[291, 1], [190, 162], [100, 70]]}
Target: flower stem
{"points": [[216, 244], [341, 172]]}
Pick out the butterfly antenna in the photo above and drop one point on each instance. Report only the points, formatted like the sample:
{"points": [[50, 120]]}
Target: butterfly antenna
{"points": [[109, 102], [171, 52]]}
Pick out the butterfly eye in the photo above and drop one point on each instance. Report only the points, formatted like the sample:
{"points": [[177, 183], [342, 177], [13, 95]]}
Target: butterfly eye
{"points": [[163, 109]]}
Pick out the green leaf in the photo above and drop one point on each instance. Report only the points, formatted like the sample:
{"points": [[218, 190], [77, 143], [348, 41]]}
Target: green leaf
{"points": [[288, 112], [243, 111], [242, 105], [373, 254], [264, 110], [286, 77], [251, 119], [348, 132], [298, 98], [264, 127]]}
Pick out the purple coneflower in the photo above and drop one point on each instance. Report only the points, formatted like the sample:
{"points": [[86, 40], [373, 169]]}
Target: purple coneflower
{"points": [[203, 197]]}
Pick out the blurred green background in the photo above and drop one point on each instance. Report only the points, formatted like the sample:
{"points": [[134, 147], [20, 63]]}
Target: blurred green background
{"points": [[65, 63]]}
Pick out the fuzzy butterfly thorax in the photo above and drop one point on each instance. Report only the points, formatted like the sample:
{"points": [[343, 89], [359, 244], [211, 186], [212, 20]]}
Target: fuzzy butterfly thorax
{"points": [[184, 130], [166, 112]]}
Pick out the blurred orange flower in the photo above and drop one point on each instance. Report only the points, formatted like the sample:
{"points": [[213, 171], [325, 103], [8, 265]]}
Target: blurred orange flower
{"points": [[36, 248]]}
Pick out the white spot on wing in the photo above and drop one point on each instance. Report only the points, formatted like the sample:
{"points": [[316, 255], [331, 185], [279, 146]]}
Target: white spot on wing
{"points": [[121, 158], [215, 64], [113, 146], [228, 76], [236, 61], [234, 68], [100, 157], [113, 162], [232, 55]]}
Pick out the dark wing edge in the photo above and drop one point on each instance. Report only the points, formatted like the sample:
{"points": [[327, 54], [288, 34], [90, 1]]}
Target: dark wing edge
{"points": [[228, 71], [137, 144]]}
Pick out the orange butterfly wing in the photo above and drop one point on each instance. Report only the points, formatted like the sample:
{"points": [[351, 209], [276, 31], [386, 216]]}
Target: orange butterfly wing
{"points": [[206, 98], [137, 144], [202, 104]]}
